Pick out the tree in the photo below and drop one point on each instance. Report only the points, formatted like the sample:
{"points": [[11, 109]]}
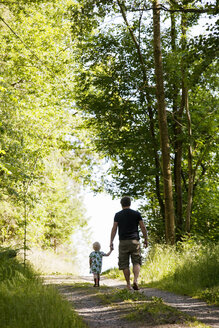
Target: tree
{"points": [[164, 135], [37, 115], [115, 91], [58, 212]]}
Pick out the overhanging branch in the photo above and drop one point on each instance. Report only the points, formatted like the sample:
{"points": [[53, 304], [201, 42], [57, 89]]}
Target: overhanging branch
{"points": [[209, 10]]}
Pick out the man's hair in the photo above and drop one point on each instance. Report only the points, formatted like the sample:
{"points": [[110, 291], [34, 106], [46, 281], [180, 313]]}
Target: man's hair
{"points": [[125, 201]]}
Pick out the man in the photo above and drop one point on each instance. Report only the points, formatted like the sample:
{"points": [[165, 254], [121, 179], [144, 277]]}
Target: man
{"points": [[128, 221]]}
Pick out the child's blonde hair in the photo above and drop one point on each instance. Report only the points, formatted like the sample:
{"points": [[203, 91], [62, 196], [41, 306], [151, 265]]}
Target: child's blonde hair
{"points": [[96, 246]]}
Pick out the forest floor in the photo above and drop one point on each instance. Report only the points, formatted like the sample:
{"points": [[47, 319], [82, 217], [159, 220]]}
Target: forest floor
{"points": [[89, 304]]}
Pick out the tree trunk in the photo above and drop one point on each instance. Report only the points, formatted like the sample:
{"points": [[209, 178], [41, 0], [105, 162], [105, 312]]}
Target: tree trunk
{"points": [[164, 137], [190, 170], [177, 127], [146, 94], [25, 222], [185, 104], [156, 160]]}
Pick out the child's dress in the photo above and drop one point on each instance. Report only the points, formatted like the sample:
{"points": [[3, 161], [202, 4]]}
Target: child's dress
{"points": [[96, 261]]}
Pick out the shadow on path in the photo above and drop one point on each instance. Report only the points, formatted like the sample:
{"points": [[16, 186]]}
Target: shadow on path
{"points": [[207, 314]]}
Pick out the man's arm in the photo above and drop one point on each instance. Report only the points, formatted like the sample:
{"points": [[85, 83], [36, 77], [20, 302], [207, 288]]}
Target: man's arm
{"points": [[144, 232], [113, 233]]}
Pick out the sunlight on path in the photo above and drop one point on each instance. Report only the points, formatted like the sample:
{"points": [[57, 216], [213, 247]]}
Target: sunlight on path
{"points": [[204, 313], [209, 315], [68, 280]]}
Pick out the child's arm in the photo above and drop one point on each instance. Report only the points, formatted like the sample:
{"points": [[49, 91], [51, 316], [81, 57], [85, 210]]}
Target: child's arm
{"points": [[90, 261], [107, 254]]}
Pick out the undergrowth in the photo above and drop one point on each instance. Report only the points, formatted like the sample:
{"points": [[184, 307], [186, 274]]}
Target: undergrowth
{"points": [[26, 303], [189, 268]]}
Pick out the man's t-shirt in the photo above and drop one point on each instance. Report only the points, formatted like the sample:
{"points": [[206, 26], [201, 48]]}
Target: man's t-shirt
{"points": [[128, 221]]}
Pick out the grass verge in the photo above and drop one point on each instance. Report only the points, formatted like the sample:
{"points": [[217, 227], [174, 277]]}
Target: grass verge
{"points": [[188, 268], [26, 303]]}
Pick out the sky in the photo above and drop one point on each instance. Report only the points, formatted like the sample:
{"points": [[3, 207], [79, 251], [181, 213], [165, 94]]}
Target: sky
{"points": [[101, 210]]}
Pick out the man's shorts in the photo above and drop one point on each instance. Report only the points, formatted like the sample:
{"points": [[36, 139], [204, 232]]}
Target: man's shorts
{"points": [[129, 248]]}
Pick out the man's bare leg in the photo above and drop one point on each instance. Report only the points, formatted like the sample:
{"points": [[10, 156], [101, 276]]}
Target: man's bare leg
{"points": [[136, 270], [127, 277]]}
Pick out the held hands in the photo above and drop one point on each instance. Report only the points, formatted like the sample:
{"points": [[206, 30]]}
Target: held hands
{"points": [[111, 247]]}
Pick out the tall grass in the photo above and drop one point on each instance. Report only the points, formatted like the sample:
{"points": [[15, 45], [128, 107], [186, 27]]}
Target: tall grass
{"points": [[188, 268], [26, 303], [47, 262]]}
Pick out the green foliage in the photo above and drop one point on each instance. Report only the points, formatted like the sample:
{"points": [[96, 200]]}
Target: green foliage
{"points": [[205, 210], [11, 221], [56, 212], [113, 273], [25, 302], [210, 295], [37, 126], [59, 211], [111, 93], [64, 57], [34, 119], [7, 253]]}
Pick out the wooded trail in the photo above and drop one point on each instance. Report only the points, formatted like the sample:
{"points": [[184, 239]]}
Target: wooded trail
{"points": [[96, 314]]}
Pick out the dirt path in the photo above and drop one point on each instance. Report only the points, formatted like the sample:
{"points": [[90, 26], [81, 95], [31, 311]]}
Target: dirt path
{"points": [[96, 314]]}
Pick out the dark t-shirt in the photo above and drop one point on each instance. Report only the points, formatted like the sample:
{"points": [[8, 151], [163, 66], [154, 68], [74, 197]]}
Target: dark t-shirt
{"points": [[128, 221]]}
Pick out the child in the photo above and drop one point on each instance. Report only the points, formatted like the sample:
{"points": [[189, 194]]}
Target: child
{"points": [[96, 262]]}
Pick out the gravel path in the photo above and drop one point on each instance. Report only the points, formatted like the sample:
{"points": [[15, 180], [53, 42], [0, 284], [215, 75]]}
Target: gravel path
{"points": [[98, 315], [93, 312], [197, 308]]}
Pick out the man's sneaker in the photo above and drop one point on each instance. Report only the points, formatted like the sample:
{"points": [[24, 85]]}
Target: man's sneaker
{"points": [[135, 286]]}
